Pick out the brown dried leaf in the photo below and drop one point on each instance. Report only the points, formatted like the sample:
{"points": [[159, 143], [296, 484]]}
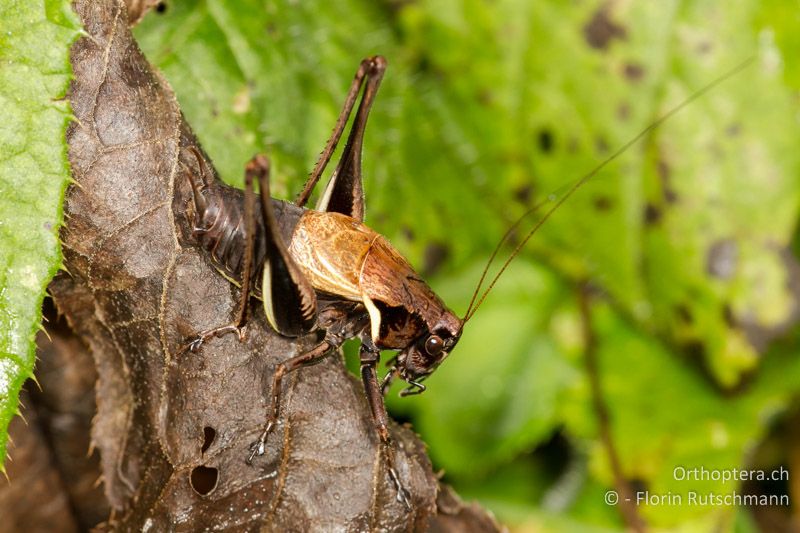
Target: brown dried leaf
{"points": [[64, 404], [169, 423], [52, 481], [455, 516], [33, 497]]}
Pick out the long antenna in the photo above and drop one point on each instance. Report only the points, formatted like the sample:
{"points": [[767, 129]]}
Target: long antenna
{"points": [[496, 250], [578, 184]]}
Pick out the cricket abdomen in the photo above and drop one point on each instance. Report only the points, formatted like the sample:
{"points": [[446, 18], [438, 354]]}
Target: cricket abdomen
{"points": [[220, 230]]}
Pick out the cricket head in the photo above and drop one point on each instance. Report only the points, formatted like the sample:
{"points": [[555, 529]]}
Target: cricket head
{"points": [[424, 355]]}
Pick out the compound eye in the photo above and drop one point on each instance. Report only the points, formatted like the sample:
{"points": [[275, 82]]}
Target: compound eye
{"points": [[434, 345]]}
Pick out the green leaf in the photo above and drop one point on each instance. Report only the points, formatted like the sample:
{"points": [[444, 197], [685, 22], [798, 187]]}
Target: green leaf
{"points": [[665, 416], [34, 47], [512, 362]]}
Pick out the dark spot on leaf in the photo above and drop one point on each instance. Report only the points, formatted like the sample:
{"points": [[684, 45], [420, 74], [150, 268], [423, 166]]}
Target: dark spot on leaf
{"points": [[573, 145], [695, 350], [704, 47], [734, 129], [545, 140], [623, 111], [424, 64], [634, 72], [555, 454], [601, 144], [652, 214], [727, 316], [524, 193], [161, 7], [600, 30], [204, 479], [48, 225], [485, 97], [435, 254], [380, 219], [602, 203], [722, 258], [208, 438], [408, 233], [663, 170], [638, 485], [684, 313], [665, 174]]}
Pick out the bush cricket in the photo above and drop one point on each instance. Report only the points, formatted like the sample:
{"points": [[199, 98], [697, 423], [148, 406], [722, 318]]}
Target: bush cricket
{"points": [[323, 269]]}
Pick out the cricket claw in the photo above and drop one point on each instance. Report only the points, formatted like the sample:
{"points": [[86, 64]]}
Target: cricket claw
{"points": [[256, 448], [387, 381], [259, 446], [195, 344], [402, 494], [404, 497]]}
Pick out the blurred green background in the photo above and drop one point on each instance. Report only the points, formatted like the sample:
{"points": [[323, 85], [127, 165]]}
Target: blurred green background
{"points": [[664, 293]]}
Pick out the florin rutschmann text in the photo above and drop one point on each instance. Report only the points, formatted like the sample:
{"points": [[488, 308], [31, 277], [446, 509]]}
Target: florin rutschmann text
{"points": [[709, 498]]}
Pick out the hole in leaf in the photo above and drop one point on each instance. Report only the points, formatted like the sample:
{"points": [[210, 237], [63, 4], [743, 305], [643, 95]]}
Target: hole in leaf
{"points": [[161, 7], [208, 438], [204, 479]]}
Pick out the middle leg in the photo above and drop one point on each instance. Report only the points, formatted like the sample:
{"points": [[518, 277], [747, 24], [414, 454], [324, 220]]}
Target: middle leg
{"points": [[313, 356], [369, 361]]}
